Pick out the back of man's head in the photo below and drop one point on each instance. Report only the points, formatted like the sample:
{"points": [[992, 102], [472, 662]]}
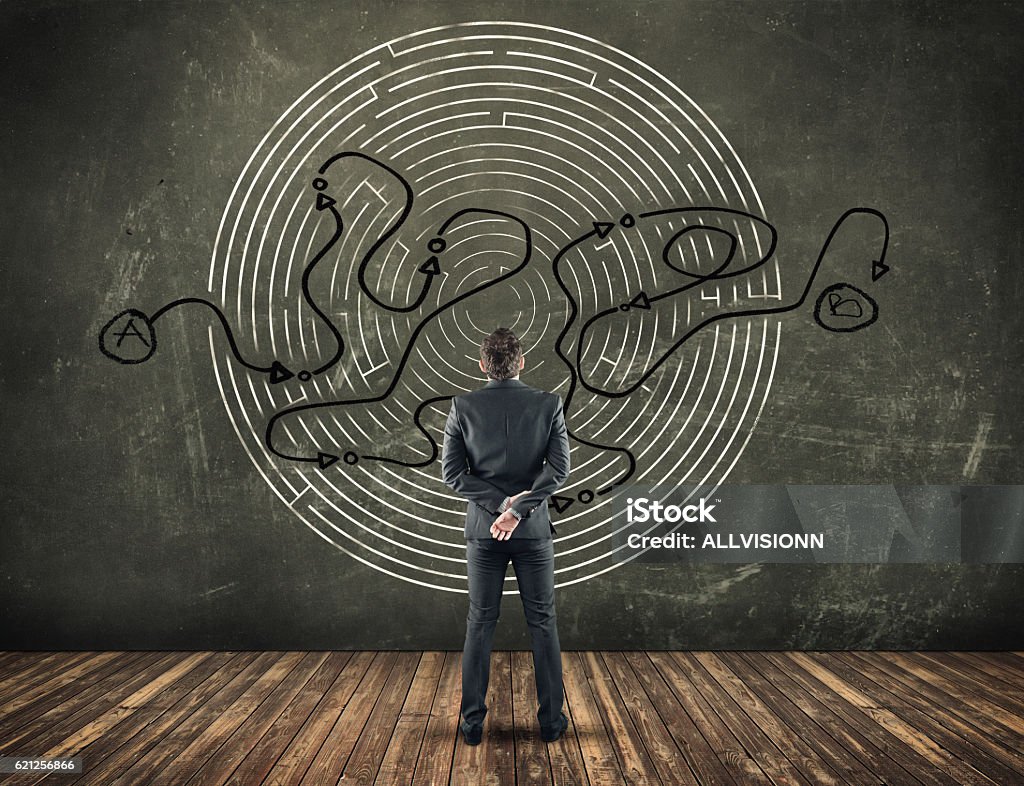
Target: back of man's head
{"points": [[500, 353]]}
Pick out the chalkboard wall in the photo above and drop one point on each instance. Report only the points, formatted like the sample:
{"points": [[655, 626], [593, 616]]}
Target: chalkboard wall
{"points": [[142, 506]]}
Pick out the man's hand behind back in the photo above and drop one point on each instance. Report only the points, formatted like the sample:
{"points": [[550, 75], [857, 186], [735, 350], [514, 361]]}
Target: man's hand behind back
{"points": [[504, 525]]}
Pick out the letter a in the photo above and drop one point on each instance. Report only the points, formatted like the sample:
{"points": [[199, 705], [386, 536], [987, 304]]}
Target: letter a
{"points": [[130, 330]]}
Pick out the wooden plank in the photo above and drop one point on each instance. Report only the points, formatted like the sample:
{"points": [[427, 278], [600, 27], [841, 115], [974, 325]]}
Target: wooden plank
{"points": [[973, 765], [687, 736], [329, 762], [499, 726], [365, 761], [670, 762], [566, 754], [434, 764], [258, 763], [532, 764], [154, 681], [295, 760], [82, 706], [974, 681], [992, 718], [126, 743], [885, 717], [188, 761], [862, 721], [218, 768], [28, 673], [788, 740], [148, 768], [399, 762], [7, 657], [758, 744], [803, 728], [991, 667], [493, 761], [821, 709], [30, 699], [1007, 660], [18, 667], [968, 742], [905, 719], [588, 727], [730, 751], [911, 688], [93, 740], [634, 761]]}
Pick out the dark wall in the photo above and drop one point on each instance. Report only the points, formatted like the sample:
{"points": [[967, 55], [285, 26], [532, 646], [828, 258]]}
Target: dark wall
{"points": [[132, 516]]}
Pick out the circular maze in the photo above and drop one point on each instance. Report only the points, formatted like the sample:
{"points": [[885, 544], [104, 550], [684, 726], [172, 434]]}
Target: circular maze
{"points": [[478, 175]]}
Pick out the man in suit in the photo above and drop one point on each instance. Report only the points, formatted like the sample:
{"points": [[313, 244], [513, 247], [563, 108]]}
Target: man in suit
{"points": [[506, 450]]}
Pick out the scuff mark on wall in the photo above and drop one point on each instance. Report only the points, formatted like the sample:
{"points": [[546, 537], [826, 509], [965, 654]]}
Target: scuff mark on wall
{"points": [[978, 447]]}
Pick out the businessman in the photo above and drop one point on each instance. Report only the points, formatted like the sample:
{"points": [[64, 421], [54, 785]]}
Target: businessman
{"points": [[506, 451]]}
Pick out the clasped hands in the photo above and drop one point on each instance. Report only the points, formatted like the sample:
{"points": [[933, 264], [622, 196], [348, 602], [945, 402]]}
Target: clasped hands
{"points": [[503, 526]]}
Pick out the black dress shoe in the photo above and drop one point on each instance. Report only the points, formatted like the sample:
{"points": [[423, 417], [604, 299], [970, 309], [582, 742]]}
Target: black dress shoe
{"points": [[473, 735], [558, 731]]}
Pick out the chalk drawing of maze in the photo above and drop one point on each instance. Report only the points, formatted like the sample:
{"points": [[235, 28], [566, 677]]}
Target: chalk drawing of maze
{"points": [[553, 128]]}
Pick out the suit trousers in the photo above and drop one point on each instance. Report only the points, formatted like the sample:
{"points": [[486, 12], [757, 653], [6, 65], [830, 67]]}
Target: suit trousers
{"points": [[533, 560]]}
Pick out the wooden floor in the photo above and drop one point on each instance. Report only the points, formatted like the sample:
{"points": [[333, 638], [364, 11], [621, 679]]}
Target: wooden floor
{"points": [[637, 717]]}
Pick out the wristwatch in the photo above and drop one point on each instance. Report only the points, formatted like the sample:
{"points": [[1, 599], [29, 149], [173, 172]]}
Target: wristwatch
{"points": [[504, 506]]}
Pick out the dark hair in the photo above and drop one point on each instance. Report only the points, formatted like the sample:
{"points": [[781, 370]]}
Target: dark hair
{"points": [[500, 353]]}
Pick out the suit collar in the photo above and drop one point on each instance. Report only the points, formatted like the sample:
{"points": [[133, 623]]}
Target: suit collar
{"points": [[504, 383]]}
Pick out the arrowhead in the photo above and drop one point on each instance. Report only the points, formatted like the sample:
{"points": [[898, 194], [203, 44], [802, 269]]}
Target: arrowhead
{"points": [[641, 301], [603, 228], [431, 267], [325, 459], [323, 201], [878, 269], [279, 373], [560, 504]]}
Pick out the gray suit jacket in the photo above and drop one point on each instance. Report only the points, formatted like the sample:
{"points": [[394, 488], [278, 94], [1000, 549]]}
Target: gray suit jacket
{"points": [[502, 439]]}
